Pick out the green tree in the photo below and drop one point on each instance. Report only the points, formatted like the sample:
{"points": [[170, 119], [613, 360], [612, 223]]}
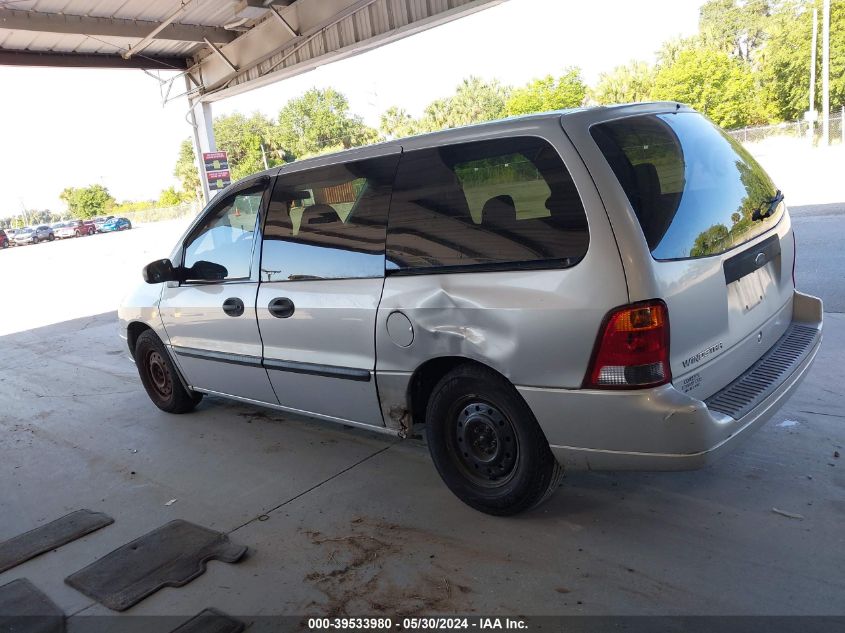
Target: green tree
{"points": [[671, 49], [186, 170], [169, 197], [713, 83], [474, 101], [736, 27], [87, 202], [317, 122], [785, 59], [397, 123], [628, 83], [242, 138], [548, 93]]}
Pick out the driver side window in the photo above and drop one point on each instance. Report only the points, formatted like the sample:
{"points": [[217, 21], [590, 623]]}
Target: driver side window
{"points": [[222, 246]]}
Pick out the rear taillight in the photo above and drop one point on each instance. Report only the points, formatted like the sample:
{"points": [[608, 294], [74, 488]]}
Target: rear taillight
{"points": [[632, 350], [794, 258]]}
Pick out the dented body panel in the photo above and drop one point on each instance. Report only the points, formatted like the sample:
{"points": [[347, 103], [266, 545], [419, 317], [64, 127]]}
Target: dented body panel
{"points": [[535, 327]]}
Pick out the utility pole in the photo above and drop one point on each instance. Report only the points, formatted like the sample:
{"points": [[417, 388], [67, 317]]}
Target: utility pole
{"points": [[811, 114], [264, 157], [826, 73], [25, 213]]}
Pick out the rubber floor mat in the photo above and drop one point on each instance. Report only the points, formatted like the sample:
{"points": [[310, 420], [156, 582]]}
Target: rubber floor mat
{"points": [[169, 556], [70, 527], [24, 609], [210, 621]]}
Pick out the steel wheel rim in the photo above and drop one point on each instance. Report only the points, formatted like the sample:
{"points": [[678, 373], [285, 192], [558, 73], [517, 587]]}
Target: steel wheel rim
{"points": [[484, 443], [159, 375]]}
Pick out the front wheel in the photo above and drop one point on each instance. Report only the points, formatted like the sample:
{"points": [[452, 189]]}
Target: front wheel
{"points": [[158, 374], [486, 443]]}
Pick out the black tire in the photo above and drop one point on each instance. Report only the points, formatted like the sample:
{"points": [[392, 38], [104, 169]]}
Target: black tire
{"points": [[160, 377], [507, 466], [51, 237]]}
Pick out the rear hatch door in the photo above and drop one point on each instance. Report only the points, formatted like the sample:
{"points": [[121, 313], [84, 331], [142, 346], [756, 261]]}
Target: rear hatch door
{"points": [[719, 237]]}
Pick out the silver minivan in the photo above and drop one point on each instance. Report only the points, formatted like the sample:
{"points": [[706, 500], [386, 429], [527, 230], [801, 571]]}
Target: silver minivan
{"points": [[605, 288]]}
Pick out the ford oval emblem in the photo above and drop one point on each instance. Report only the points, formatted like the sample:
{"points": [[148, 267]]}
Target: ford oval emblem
{"points": [[760, 259]]}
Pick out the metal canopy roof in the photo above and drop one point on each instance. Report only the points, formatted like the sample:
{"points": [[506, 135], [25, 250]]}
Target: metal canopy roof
{"points": [[223, 46]]}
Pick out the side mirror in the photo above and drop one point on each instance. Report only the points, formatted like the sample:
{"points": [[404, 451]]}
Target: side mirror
{"points": [[206, 271], [159, 271]]}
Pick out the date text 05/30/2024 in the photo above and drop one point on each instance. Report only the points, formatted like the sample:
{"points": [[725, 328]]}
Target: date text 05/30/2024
{"points": [[417, 623]]}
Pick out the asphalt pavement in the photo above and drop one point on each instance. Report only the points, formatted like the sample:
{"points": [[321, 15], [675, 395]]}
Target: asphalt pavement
{"points": [[344, 521], [820, 264]]}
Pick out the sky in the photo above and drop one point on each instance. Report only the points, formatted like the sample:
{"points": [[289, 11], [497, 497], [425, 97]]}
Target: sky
{"points": [[76, 127]]}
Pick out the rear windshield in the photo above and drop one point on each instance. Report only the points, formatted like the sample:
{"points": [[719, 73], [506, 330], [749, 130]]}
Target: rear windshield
{"points": [[695, 191]]}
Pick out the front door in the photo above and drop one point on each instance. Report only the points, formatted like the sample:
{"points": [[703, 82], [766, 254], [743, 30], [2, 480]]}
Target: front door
{"points": [[322, 273], [210, 316]]}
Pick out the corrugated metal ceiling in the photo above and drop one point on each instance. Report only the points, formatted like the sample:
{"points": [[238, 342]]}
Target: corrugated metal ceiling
{"points": [[212, 13]]}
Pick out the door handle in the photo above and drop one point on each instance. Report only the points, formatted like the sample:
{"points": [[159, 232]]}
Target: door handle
{"points": [[281, 307], [233, 306]]}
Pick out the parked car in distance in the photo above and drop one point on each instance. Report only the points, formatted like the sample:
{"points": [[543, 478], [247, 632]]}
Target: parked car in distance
{"points": [[99, 222], [76, 228], [4, 239], [33, 235], [10, 235], [607, 288], [116, 224]]}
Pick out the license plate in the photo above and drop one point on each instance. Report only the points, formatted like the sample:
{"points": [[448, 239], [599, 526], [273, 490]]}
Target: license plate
{"points": [[751, 288]]}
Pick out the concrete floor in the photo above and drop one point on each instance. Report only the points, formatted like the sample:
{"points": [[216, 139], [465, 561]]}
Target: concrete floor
{"points": [[345, 521]]}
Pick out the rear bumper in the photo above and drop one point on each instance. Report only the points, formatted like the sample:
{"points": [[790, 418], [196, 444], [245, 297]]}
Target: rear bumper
{"points": [[663, 428]]}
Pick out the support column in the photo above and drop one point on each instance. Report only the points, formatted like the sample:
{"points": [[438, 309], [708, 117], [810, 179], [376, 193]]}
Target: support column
{"points": [[200, 118]]}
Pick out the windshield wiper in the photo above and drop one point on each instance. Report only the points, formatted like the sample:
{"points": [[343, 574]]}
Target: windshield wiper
{"points": [[771, 205]]}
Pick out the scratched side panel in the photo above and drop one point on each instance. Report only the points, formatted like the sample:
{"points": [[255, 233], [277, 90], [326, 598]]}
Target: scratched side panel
{"points": [[142, 304]]}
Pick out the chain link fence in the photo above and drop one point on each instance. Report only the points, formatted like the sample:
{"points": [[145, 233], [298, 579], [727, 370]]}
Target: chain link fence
{"points": [[158, 214], [795, 129]]}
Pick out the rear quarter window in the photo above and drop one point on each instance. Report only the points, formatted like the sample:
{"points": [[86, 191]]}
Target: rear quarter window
{"points": [[695, 191], [501, 204]]}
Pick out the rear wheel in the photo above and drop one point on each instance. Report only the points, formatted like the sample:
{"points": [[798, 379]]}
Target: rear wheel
{"points": [[486, 444], [160, 378], [50, 237], [77, 233]]}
